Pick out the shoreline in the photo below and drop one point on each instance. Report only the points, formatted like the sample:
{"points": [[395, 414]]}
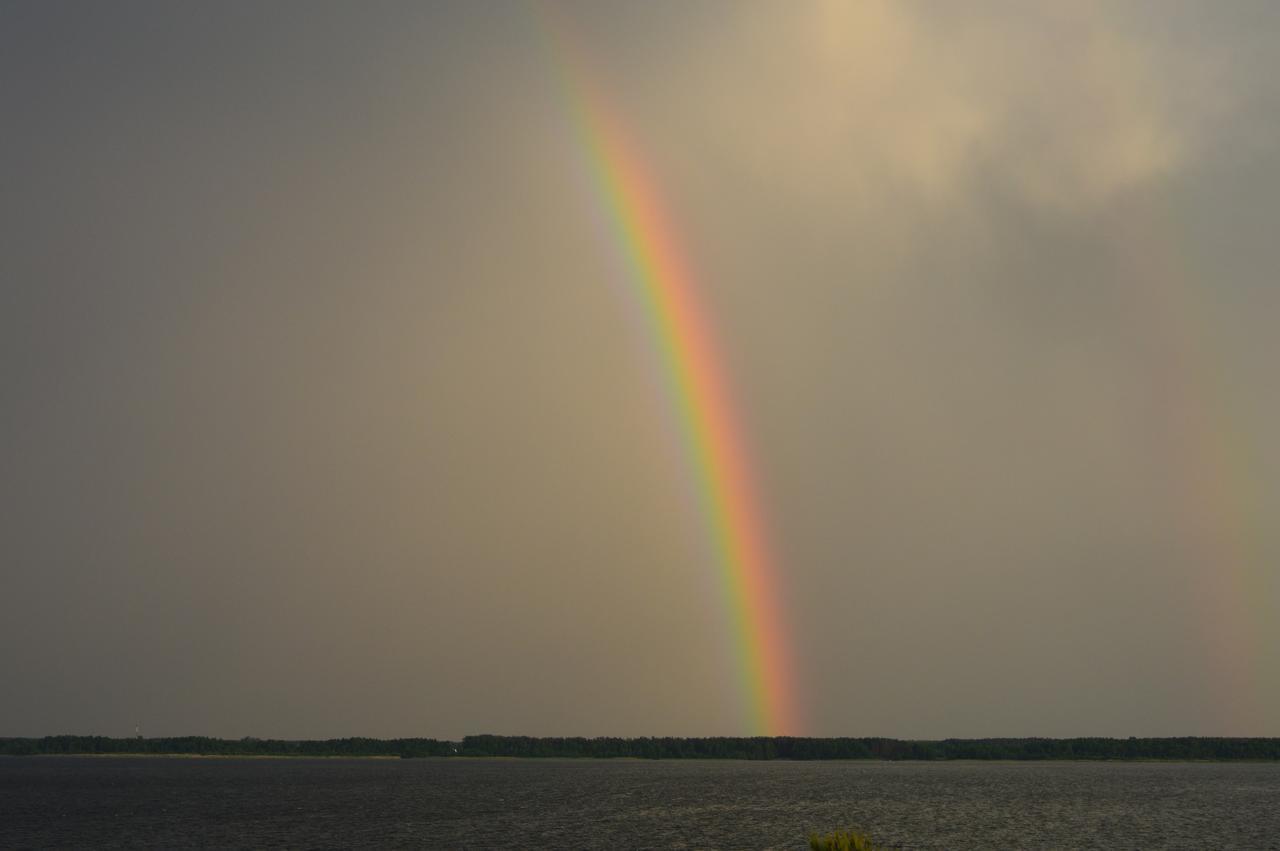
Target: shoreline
{"points": [[140, 755], [756, 748], [503, 758]]}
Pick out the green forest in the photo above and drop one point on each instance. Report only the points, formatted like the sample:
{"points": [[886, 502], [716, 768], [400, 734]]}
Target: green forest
{"points": [[753, 748]]}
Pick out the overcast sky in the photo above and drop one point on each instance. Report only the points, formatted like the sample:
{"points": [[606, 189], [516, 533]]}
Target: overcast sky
{"points": [[320, 414]]}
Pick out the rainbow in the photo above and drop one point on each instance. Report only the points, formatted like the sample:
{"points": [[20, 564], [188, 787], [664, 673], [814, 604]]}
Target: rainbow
{"points": [[664, 288], [1209, 456]]}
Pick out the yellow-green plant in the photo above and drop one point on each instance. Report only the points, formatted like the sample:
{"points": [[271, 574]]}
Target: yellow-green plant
{"points": [[841, 840]]}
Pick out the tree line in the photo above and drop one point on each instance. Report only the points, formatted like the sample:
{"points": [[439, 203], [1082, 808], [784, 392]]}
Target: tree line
{"points": [[206, 746], [749, 748], [785, 747]]}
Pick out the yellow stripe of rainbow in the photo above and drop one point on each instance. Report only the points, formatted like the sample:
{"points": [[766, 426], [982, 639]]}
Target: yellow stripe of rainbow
{"points": [[696, 387]]}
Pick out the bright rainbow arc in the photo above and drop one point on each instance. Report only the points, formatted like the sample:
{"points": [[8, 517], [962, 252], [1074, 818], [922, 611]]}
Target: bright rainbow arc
{"points": [[663, 285]]}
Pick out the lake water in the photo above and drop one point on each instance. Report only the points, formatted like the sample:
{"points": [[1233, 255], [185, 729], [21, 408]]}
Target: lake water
{"points": [[59, 802]]}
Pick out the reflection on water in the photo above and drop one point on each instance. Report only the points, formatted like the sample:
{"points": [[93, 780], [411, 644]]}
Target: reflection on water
{"points": [[121, 802]]}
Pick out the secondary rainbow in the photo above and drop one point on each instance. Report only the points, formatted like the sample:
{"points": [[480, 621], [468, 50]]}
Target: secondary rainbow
{"points": [[1211, 456], [663, 286]]}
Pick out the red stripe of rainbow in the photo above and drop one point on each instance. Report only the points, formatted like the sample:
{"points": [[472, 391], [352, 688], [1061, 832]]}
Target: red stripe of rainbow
{"points": [[698, 393]]}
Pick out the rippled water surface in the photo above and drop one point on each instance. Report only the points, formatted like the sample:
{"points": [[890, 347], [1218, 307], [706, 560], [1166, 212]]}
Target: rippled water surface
{"points": [[57, 802]]}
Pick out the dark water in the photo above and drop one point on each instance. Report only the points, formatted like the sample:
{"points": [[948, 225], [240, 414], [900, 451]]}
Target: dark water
{"points": [[59, 802]]}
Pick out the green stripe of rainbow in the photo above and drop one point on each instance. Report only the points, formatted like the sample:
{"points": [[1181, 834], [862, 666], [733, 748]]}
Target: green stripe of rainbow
{"points": [[696, 388]]}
